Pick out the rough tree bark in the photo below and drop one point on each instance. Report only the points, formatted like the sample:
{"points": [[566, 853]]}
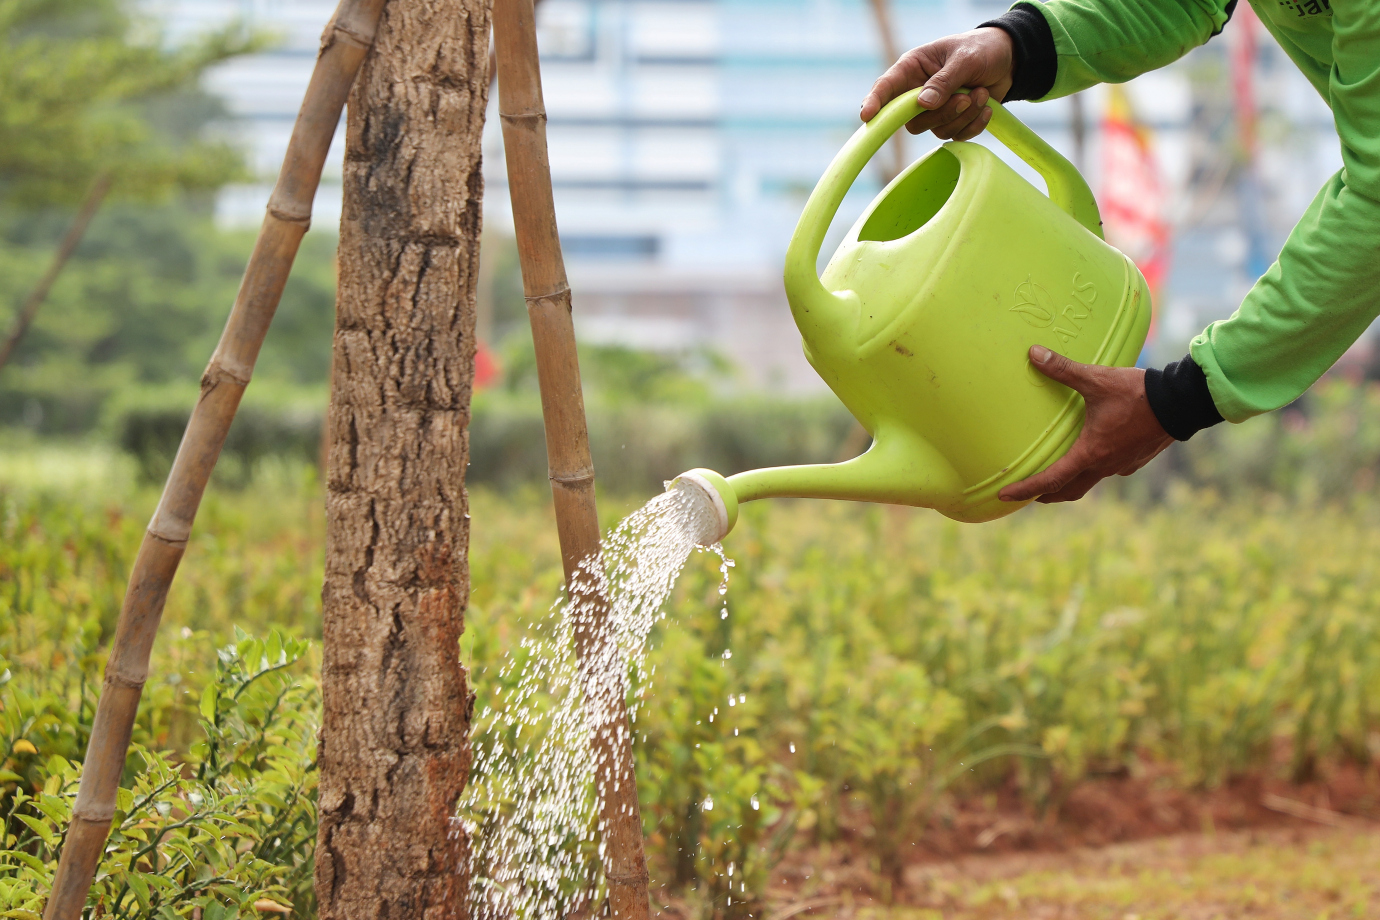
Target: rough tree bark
{"points": [[395, 734]]}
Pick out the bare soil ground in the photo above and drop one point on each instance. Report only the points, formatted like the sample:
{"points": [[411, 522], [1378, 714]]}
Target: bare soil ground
{"points": [[1119, 848]]}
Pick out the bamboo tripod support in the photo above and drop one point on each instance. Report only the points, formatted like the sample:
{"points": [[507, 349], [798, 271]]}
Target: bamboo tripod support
{"points": [[571, 468], [344, 44]]}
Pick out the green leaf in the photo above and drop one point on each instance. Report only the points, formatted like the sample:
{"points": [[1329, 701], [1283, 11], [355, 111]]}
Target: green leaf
{"points": [[54, 809], [40, 828], [208, 703], [140, 884], [28, 859]]}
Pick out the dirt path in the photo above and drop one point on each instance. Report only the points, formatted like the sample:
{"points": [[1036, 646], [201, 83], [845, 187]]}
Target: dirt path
{"points": [[1295, 873]]}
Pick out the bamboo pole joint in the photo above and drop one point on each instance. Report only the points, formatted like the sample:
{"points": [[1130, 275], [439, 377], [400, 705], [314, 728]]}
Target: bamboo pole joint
{"points": [[559, 297], [278, 212], [113, 679], [346, 35], [225, 369]]}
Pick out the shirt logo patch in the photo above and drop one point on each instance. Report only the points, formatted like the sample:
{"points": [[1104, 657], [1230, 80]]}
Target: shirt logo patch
{"points": [[1306, 8]]}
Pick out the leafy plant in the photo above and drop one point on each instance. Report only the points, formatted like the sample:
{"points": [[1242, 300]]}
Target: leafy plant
{"points": [[883, 663], [228, 830], [719, 812]]}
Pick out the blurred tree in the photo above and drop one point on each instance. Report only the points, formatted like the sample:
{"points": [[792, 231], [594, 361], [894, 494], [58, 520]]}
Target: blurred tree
{"points": [[25, 318], [137, 312], [90, 101], [86, 89]]}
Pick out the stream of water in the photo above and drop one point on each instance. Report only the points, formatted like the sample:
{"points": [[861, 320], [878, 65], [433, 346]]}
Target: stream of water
{"points": [[532, 803]]}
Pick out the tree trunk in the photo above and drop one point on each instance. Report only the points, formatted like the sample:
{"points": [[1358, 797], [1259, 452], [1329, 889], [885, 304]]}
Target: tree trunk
{"points": [[395, 734]]}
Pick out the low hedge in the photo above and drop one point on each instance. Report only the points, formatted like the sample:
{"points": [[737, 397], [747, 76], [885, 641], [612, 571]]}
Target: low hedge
{"points": [[1325, 446], [636, 446]]}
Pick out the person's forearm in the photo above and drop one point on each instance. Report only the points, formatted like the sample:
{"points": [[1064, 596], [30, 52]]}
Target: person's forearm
{"points": [[1085, 42], [1324, 291], [1303, 313]]}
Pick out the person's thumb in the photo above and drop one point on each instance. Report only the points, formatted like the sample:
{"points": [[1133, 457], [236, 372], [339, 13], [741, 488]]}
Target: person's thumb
{"points": [[946, 81], [1061, 368]]}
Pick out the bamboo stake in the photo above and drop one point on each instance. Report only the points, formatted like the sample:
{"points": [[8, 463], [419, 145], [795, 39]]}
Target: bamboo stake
{"points": [[344, 44], [89, 206], [571, 468]]}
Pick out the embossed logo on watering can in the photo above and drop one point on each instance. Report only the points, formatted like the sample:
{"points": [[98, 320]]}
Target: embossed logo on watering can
{"points": [[1034, 305]]}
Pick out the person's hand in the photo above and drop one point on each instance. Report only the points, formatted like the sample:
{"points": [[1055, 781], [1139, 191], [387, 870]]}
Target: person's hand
{"points": [[981, 60], [1120, 432]]}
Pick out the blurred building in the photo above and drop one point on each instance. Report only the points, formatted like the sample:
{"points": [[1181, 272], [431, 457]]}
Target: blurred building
{"points": [[686, 134]]}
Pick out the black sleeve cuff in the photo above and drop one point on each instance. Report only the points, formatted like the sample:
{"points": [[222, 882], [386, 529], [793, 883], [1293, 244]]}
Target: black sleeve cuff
{"points": [[1036, 60], [1180, 399]]}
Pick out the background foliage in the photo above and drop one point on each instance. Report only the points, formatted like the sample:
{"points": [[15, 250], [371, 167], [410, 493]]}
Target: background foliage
{"points": [[884, 664], [87, 87]]}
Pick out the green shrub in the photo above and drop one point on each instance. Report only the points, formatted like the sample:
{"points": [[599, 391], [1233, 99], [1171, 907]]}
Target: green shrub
{"points": [[720, 810], [1325, 447], [883, 661], [152, 436], [636, 446], [208, 833]]}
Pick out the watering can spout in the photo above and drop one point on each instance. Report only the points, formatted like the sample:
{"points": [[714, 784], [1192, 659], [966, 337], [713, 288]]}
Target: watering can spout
{"points": [[900, 468]]}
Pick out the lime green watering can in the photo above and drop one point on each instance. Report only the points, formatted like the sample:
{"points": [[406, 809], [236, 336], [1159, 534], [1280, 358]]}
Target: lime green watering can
{"points": [[923, 318]]}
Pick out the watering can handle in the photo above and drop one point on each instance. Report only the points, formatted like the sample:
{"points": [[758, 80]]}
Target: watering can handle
{"points": [[1066, 186]]}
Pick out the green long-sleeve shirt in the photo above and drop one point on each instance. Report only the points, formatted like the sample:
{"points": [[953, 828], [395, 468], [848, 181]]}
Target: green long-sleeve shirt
{"points": [[1324, 290]]}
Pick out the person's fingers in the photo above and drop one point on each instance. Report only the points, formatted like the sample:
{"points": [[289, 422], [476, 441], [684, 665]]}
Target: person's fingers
{"points": [[925, 121], [976, 126], [957, 111], [1080, 486], [887, 87], [877, 97], [1060, 473], [956, 71], [953, 116], [955, 129], [911, 70]]}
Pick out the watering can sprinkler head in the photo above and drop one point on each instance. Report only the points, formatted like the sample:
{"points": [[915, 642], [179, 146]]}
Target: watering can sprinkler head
{"points": [[719, 501], [922, 321]]}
